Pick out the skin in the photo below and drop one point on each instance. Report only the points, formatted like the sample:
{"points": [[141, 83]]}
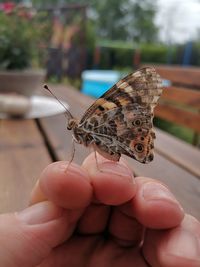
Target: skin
{"points": [[102, 217]]}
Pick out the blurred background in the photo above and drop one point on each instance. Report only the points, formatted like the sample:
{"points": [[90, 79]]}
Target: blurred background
{"points": [[72, 41]]}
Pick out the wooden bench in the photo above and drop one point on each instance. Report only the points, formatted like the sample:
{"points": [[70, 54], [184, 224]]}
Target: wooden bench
{"points": [[180, 102]]}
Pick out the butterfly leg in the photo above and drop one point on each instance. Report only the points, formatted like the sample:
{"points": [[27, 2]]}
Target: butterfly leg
{"points": [[97, 164], [96, 159], [72, 155]]}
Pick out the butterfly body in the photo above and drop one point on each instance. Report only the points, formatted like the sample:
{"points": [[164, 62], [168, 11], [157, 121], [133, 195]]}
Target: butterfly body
{"points": [[121, 120]]}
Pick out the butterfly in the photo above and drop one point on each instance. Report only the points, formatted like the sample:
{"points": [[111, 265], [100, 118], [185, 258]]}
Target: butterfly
{"points": [[121, 120]]}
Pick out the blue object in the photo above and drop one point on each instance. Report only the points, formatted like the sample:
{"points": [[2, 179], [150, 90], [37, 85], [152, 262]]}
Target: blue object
{"points": [[97, 82], [187, 54], [166, 83]]}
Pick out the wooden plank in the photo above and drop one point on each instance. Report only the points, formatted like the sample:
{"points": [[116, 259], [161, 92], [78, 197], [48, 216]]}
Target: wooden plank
{"points": [[23, 156], [182, 95], [178, 116], [19, 133], [178, 151], [180, 75]]}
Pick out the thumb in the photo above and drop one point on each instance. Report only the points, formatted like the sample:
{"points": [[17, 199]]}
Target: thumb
{"points": [[27, 237]]}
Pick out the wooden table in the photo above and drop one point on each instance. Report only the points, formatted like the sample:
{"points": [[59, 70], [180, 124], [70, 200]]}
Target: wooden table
{"points": [[27, 146]]}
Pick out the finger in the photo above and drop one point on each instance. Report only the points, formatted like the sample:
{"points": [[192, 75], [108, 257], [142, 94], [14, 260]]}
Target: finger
{"points": [[94, 220], [113, 182], [157, 210], [125, 230], [69, 188], [155, 206], [37, 195], [27, 237], [177, 247]]}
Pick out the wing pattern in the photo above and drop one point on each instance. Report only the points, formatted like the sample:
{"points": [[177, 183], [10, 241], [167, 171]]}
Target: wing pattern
{"points": [[121, 120]]}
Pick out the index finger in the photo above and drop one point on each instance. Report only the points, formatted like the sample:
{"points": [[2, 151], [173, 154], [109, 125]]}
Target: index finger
{"points": [[66, 186], [113, 182]]}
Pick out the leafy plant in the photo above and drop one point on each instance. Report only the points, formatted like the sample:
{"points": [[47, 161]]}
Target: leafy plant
{"points": [[20, 34]]}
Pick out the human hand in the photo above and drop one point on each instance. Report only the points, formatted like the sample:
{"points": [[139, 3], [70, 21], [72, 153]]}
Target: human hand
{"points": [[87, 217]]}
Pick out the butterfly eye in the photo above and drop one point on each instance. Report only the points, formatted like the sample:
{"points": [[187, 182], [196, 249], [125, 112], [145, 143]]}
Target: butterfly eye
{"points": [[139, 148], [137, 122]]}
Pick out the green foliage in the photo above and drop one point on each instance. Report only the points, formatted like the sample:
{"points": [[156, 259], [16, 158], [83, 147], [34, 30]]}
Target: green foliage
{"points": [[143, 28], [124, 57], [15, 44], [110, 20], [174, 129], [19, 39], [155, 53], [117, 55], [126, 20], [90, 34]]}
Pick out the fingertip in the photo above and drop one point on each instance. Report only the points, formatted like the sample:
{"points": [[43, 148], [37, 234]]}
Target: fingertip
{"points": [[155, 206], [179, 246], [66, 185], [37, 194], [94, 159], [191, 223], [113, 182]]}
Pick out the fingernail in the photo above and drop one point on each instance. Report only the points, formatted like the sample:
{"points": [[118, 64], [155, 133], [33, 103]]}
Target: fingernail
{"points": [[116, 169], [39, 213], [152, 192], [184, 244], [69, 167]]}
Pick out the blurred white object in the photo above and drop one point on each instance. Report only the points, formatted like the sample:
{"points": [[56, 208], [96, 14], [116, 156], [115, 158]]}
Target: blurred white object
{"points": [[14, 105], [41, 106]]}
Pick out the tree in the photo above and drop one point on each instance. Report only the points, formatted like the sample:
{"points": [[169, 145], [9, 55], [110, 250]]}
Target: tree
{"points": [[126, 20], [118, 20], [144, 29], [111, 18]]}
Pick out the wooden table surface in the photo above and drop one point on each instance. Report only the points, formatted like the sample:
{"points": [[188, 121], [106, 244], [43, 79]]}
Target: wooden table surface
{"points": [[27, 146]]}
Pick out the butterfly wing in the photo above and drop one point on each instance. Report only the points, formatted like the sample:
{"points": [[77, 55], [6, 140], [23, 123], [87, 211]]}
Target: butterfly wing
{"points": [[120, 121]]}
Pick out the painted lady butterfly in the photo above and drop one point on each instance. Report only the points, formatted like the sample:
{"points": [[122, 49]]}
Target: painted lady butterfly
{"points": [[121, 120]]}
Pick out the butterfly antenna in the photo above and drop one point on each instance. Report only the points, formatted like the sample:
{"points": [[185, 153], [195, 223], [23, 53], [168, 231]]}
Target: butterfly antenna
{"points": [[68, 115]]}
